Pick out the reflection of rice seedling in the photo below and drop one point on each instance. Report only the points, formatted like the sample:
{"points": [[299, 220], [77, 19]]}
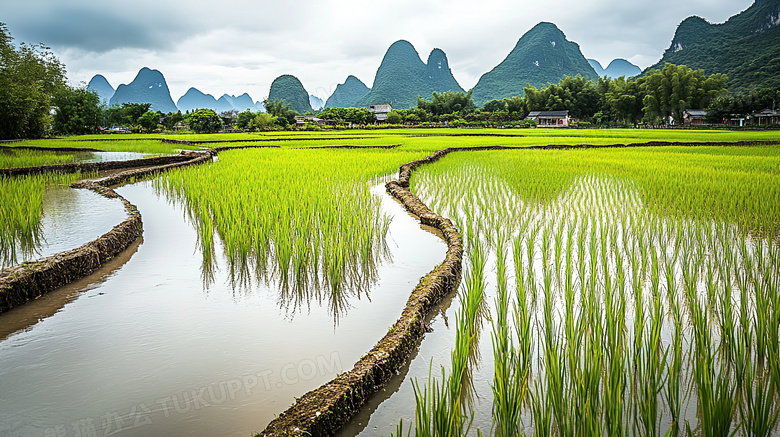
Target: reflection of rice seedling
{"points": [[303, 219], [646, 285], [21, 208]]}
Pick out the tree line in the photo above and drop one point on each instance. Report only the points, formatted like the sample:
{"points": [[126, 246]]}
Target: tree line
{"points": [[654, 98]]}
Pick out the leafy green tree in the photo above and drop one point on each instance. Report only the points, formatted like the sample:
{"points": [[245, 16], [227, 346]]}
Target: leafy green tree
{"points": [[77, 111], [675, 88], [743, 104], [204, 121], [262, 121], [448, 102], [576, 94], [394, 117], [127, 114], [278, 108], [29, 76], [356, 116], [243, 119], [280, 121], [150, 120], [621, 100], [495, 105], [171, 119]]}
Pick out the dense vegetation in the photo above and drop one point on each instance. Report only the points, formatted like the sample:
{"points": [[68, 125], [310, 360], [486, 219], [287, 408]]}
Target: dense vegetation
{"points": [[653, 99], [289, 89], [743, 104], [29, 76], [746, 47], [402, 77], [78, 111]]}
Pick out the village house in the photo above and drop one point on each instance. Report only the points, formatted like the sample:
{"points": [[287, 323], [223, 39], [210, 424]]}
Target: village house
{"points": [[301, 120], [694, 117], [550, 118], [380, 111], [767, 116]]}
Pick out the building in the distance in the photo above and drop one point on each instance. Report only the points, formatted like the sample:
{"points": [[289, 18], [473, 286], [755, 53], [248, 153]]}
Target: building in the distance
{"points": [[550, 118], [380, 111]]}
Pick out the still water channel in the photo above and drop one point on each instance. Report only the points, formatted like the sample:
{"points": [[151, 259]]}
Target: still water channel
{"points": [[143, 347]]}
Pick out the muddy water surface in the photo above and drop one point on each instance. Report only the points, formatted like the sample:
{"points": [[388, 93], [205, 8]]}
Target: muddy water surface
{"points": [[70, 218], [108, 156], [145, 349]]}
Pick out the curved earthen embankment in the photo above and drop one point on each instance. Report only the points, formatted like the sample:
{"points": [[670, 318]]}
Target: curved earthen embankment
{"points": [[31, 280], [259, 140], [352, 146], [326, 409], [88, 167]]}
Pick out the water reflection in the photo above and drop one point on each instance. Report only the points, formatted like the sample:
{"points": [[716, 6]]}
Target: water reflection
{"points": [[325, 268], [148, 338], [68, 219]]}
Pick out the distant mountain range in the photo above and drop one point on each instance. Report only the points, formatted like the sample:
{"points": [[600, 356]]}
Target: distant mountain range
{"points": [[149, 86], [616, 69], [746, 47], [195, 99], [402, 76], [316, 102], [288, 88]]}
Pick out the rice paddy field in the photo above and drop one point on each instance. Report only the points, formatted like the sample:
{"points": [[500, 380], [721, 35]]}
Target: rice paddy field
{"points": [[608, 291]]}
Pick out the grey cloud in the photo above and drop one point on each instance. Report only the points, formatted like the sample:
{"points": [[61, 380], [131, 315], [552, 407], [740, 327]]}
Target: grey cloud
{"points": [[93, 29]]}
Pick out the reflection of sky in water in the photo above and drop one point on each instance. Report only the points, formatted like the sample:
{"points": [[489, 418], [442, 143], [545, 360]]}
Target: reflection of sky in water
{"points": [[108, 156], [150, 335], [70, 219], [308, 275]]}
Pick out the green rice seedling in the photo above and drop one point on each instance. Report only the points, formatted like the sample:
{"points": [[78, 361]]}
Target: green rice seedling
{"points": [[21, 210], [651, 359], [638, 318], [716, 389], [10, 158], [757, 409], [509, 382]]}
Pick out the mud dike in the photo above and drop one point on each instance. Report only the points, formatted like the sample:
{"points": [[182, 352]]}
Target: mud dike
{"points": [[31, 280]]}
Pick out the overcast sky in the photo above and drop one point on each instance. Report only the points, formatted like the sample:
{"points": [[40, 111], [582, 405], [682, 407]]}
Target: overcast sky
{"points": [[238, 46]]}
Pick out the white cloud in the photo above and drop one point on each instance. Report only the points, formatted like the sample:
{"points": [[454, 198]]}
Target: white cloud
{"points": [[242, 45]]}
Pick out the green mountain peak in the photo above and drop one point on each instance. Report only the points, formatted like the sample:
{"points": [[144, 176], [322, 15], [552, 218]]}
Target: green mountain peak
{"points": [[543, 55], [746, 47], [402, 76], [288, 88]]}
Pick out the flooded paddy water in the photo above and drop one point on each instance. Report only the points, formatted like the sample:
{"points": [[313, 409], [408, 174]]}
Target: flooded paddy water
{"points": [[634, 316], [145, 347], [186, 336], [70, 218]]}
